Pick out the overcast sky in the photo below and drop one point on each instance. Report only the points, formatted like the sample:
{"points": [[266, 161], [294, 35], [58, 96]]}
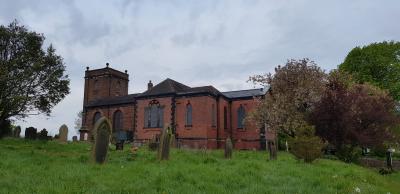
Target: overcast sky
{"points": [[200, 42]]}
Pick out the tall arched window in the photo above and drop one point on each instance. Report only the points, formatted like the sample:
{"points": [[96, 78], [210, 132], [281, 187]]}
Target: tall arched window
{"points": [[96, 117], [188, 115], [153, 115], [213, 116], [241, 114], [118, 121]]}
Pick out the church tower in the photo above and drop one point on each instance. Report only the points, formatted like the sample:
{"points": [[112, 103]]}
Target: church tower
{"points": [[101, 84], [104, 83]]}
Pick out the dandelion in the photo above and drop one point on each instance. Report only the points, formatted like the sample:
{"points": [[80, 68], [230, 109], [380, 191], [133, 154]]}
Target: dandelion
{"points": [[358, 190]]}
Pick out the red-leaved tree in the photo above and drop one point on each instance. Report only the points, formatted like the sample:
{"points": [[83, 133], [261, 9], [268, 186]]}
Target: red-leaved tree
{"points": [[354, 115]]}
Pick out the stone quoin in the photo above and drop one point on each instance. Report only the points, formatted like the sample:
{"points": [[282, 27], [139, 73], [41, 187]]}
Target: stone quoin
{"points": [[200, 117]]}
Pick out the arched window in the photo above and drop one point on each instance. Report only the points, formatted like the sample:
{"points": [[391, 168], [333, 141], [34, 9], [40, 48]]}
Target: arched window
{"points": [[188, 115], [96, 117], [153, 115], [225, 118], [118, 121], [213, 116], [241, 114]]}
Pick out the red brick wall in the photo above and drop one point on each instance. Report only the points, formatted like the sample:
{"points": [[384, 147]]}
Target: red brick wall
{"points": [[103, 83], [143, 133], [247, 137], [127, 112], [224, 131], [202, 133]]}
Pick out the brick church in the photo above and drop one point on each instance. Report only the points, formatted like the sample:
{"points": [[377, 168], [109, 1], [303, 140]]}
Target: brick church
{"points": [[200, 117]]}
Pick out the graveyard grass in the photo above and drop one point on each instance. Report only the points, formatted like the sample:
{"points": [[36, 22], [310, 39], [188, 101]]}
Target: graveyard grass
{"points": [[52, 167]]}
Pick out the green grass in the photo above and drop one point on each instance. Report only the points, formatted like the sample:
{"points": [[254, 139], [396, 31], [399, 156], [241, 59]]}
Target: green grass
{"points": [[51, 167]]}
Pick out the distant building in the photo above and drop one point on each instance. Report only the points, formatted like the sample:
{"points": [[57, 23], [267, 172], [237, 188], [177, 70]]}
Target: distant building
{"points": [[201, 117]]}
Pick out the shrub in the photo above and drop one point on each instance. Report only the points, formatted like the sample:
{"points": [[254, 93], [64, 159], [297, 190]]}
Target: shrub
{"points": [[349, 153], [306, 146], [42, 135], [385, 171]]}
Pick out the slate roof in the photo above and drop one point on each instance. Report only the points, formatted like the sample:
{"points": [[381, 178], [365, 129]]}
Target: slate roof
{"points": [[172, 87], [202, 89], [245, 93], [167, 86]]}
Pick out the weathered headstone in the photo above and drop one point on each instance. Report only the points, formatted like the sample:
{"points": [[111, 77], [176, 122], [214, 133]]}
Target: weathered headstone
{"points": [[63, 133], [228, 148], [30, 133], [163, 148], [389, 160], [75, 138], [17, 132], [102, 133]]}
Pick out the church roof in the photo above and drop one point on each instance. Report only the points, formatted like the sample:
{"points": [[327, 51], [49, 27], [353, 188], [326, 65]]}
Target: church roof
{"points": [[245, 93], [167, 86], [172, 87]]}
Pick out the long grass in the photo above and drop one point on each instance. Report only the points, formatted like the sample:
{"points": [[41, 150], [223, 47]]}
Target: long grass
{"points": [[52, 167]]}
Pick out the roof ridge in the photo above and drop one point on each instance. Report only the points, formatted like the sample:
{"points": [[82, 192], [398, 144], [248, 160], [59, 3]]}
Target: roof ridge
{"points": [[244, 90]]}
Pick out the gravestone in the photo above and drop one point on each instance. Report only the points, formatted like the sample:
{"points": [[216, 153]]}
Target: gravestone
{"points": [[17, 132], [228, 148], [63, 133], [389, 159], [164, 146], [102, 133], [30, 133], [74, 138]]}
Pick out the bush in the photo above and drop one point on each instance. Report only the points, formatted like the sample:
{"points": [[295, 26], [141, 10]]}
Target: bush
{"points": [[385, 171], [349, 153], [306, 146]]}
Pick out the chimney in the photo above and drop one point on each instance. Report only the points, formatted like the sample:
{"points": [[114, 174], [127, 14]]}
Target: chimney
{"points": [[149, 85]]}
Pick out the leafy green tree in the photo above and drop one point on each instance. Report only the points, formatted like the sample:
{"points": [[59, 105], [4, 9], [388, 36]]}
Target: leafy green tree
{"points": [[294, 90], [377, 64], [32, 79]]}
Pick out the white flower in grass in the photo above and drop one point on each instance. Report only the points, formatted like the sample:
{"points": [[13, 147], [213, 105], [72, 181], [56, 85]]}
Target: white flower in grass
{"points": [[358, 190], [334, 176]]}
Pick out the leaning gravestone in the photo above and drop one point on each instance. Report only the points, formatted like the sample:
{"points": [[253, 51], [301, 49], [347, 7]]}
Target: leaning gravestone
{"points": [[102, 134], [17, 131], [164, 147], [63, 133]]}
